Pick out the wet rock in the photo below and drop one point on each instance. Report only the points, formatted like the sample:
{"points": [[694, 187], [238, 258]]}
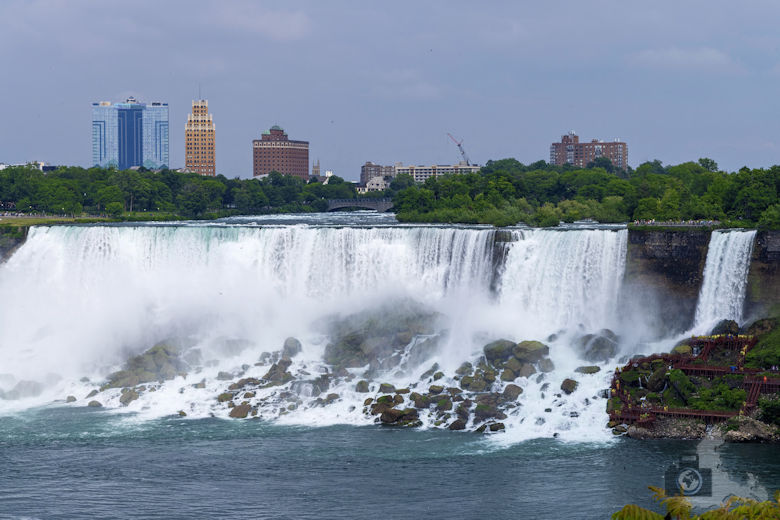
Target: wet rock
{"points": [[435, 389], [473, 383], [444, 404], [407, 417], [683, 349], [278, 374], [512, 392], [291, 347], [429, 373], [599, 347], [761, 327], [569, 385], [94, 404], [587, 369], [93, 393], [380, 333], [241, 383], [398, 399], [497, 352], [402, 390], [438, 375], [420, 401], [386, 388], [657, 380], [546, 365], [128, 396], [224, 376], [200, 385], [159, 363], [361, 386], [619, 430], [457, 425], [182, 413], [331, 398], [225, 397], [507, 375], [249, 395], [751, 430], [24, 389], [494, 427], [466, 369], [530, 351], [725, 327], [240, 411], [368, 401], [70, 399], [527, 370]]}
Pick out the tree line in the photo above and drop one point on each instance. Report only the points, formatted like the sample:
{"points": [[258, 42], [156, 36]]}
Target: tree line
{"points": [[167, 193], [507, 192]]}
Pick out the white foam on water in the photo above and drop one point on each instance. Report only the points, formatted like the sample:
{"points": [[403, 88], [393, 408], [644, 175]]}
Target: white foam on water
{"points": [[87, 298]]}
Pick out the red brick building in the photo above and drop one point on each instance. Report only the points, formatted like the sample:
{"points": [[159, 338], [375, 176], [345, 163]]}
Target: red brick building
{"points": [[275, 152], [570, 150]]}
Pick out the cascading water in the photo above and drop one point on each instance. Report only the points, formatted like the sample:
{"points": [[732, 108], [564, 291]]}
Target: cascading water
{"points": [[722, 294], [87, 298], [562, 279]]}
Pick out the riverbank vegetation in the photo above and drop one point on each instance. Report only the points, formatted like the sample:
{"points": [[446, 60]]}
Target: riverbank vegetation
{"points": [[164, 195], [507, 192], [679, 507]]}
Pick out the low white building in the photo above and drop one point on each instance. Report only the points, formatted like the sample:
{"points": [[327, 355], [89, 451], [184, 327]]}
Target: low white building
{"points": [[421, 173], [374, 184]]}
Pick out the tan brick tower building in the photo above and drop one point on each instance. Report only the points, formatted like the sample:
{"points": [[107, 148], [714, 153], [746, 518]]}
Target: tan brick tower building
{"points": [[199, 140], [274, 151]]}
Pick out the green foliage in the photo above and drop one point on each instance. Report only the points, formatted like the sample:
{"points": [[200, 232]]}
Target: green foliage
{"points": [[145, 195], [720, 397], [679, 507], [766, 353], [769, 409], [687, 191]]}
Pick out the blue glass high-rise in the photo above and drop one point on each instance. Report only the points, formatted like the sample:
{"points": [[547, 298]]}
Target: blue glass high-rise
{"points": [[130, 134]]}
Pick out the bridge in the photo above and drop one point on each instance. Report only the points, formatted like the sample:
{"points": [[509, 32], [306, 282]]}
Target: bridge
{"points": [[380, 205]]}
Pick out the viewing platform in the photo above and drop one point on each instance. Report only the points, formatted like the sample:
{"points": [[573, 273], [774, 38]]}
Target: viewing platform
{"points": [[642, 412]]}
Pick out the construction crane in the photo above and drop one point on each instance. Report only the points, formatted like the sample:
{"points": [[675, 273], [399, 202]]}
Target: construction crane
{"points": [[460, 147]]}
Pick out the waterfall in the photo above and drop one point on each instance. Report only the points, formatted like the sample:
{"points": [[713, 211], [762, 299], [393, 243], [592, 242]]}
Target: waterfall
{"points": [[560, 279], [85, 296], [722, 294]]}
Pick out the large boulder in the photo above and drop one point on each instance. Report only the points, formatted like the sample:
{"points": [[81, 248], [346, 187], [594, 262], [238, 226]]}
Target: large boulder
{"points": [[569, 385], [240, 411], [160, 363], [497, 352], [530, 351], [512, 392], [599, 348], [291, 347], [587, 369], [761, 327], [725, 327], [377, 336]]}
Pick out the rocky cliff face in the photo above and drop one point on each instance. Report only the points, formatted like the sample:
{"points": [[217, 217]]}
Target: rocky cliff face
{"points": [[763, 291], [664, 271], [10, 239]]}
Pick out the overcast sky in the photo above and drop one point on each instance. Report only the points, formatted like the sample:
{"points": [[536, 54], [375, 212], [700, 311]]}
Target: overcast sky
{"points": [[386, 81]]}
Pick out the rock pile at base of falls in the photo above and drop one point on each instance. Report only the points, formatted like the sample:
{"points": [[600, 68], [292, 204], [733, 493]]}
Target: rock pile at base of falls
{"points": [[379, 337]]}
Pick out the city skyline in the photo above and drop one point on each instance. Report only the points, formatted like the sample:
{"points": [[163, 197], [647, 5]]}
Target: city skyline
{"points": [[521, 76]]}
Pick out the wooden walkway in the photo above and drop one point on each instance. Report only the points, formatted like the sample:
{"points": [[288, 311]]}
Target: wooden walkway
{"points": [[643, 413]]}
